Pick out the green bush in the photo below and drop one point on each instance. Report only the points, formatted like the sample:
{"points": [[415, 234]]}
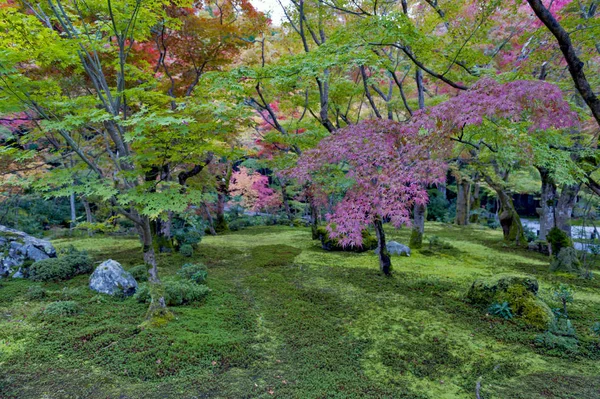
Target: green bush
{"points": [[139, 273], [36, 293], [501, 310], [558, 240], [188, 236], [561, 336], [186, 250], [194, 272], [61, 309], [176, 292], [63, 268]]}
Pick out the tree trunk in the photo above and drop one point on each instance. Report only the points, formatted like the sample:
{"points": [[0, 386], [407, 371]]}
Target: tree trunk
{"points": [[211, 223], [547, 200], [221, 225], [88, 214], [285, 200], [475, 203], [158, 306], [564, 207], [73, 213], [463, 202], [418, 228], [314, 221], [385, 263], [512, 228]]}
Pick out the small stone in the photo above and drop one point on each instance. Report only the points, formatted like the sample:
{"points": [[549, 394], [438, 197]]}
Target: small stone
{"points": [[395, 248]]}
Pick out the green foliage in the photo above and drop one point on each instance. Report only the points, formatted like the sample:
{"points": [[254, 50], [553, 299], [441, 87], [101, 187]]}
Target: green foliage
{"points": [[194, 272], [187, 236], [560, 337], [186, 250], [530, 235], [440, 209], [596, 329], [139, 272], [501, 310], [63, 268], [564, 294], [62, 309], [558, 240], [176, 292], [36, 293]]}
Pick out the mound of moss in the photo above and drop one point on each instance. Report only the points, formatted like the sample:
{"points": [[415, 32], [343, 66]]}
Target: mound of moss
{"points": [[176, 292], [519, 292], [58, 269], [332, 244]]}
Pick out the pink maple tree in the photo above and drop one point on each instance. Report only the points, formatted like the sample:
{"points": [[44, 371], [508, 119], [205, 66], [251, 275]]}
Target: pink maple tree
{"points": [[254, 191], [387, 165]]}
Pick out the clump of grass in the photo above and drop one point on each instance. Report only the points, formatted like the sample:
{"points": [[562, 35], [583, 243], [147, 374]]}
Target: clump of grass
{"points": [[62, 309]]}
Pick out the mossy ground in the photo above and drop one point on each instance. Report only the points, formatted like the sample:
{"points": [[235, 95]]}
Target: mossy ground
{"points": [[286, 319]]}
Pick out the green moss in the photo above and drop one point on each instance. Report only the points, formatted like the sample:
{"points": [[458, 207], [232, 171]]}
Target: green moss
{"points": [[63, 268], [416, 239], [558, 240], [273, 255]]}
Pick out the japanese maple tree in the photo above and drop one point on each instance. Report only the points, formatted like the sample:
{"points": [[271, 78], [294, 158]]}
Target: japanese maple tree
{"points": [[386, 167]]}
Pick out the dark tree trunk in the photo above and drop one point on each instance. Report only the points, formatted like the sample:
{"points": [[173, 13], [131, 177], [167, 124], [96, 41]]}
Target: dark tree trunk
{"points": [[209, 218], [463, 202], [286, 201], [547, 200], [314, 221], [418, 228], [385, 263], [221, 224], [475, 203]]}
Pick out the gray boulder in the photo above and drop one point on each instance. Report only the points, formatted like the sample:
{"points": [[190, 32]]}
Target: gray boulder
{"points": [[110, 278], [395, 248], [17, 247]]}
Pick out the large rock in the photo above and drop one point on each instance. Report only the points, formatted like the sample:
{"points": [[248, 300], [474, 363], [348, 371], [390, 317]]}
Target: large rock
{"points": [[395, 248], [520, 292], [110, 278], [18, 248]]}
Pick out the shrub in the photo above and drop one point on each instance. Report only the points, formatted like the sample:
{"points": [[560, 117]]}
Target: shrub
{"points": [[176, 292], [62, 308], [194, 272], [139, 273], [63, 268], [188, 236], [567, 260], [186, 250], [36, 293], [331, 244], [596, 329], [560, 336], [530, 235], [501, 310], [558, 240], [564, 294]]}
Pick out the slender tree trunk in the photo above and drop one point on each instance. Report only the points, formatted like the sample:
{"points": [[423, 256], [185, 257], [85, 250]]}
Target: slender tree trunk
{"points": [[286, 201], [158, 306], [73, 213], [547, 200], [211, 223], [221, 224], [564, 207], [418, 228], [463, 202], [385, 262], [475, 203], [88, 214], [314, 221], [443, 191]]}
